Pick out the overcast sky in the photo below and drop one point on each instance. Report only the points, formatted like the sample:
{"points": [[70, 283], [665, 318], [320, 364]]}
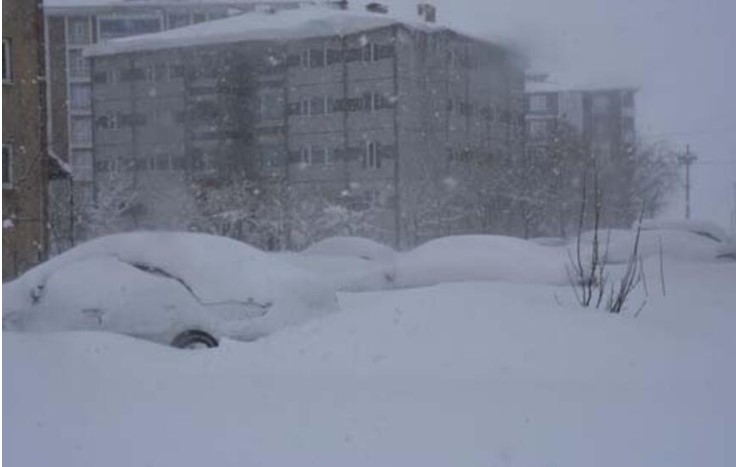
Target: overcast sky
{"points": [[680, 53]]}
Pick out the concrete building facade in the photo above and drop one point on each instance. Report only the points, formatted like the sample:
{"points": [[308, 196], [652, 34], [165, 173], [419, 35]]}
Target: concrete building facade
{"points": [[70, 27], [361, 117]]}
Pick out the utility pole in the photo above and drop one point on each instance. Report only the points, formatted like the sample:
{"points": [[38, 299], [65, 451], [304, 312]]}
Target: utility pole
{"points": [[733, 213], [687, 160]]}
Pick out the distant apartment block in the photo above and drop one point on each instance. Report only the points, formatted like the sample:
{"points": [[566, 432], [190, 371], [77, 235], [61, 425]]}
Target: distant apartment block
{"points": [[351, 105], [604, 117], [603, 120], [25, 163]]}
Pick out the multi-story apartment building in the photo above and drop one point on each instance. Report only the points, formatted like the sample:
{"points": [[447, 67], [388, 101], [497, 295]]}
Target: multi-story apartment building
{"points": [[357, 107], [72, 25], [603, 118], [25, 162]]}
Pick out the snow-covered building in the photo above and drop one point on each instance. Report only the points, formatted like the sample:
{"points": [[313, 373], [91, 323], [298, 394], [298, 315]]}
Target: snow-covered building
{"points": [[604, 115], [354, 107], [601, 118], [72, 25]]}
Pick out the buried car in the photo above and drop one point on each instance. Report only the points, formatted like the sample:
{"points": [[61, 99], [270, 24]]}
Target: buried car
{"points": [[182, 289]]}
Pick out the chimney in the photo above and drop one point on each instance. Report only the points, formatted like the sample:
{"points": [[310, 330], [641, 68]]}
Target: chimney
{"points": [[376, 7], [428, 12]]}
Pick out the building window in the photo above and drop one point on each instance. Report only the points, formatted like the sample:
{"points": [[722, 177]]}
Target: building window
{"points": [[81, 131], [78, 65], [78, 31], [369, 53], [7, 72], [371, 101], [305, 104], [316, 155], [111, 28], [313, 58], [105, 77], [7, 166], [538, 103], [109, 121], [80, 97], [82, 166], [272, 106], [371, 159], [178, 20]]}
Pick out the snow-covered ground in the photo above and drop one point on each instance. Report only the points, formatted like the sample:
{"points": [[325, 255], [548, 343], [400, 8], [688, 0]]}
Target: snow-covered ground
{"points": [[457, 374]]}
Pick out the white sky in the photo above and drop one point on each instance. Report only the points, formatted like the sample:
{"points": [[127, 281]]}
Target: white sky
{"points": [[679, 52]]}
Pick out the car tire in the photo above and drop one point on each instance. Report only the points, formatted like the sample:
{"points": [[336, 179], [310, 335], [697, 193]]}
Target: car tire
{"points": [[194, 340]]}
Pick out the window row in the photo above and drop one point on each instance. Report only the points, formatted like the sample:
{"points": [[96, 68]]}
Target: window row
{"points": [[370, 154], [315, 106], [210, 67], [159, 162], [490, 113], [118, 120], [318, 58], [151, 73]]}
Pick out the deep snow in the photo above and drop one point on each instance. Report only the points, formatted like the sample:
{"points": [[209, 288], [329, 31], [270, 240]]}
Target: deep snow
{"points": [[462, 374]]}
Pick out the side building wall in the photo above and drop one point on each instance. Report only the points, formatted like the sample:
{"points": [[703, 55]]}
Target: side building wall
{"points": [[25, 161]]}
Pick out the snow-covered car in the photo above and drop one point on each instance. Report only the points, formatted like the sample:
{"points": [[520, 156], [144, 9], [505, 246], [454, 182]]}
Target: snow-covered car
{"points": [[463, 258], [676, 239], [183, 289], [351, 264]]}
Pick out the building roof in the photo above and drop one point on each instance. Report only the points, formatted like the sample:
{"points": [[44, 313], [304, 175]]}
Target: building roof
{"points": [[563, 83], [74, 6], [282, 26]]}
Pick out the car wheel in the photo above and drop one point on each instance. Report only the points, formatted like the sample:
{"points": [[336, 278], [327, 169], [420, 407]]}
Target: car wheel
{"points": [[194, 340]]}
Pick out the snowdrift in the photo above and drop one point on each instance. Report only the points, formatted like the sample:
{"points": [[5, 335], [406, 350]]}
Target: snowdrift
{"points": [[480, 258]]}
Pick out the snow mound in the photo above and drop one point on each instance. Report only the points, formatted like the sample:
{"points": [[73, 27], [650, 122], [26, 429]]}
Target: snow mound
{"points": [[352, 247], [681, 245], [704, 228], [480, 258]]}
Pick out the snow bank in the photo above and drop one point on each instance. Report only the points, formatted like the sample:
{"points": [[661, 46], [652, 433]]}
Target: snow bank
{"points": [[464, 374], [480, 257]]}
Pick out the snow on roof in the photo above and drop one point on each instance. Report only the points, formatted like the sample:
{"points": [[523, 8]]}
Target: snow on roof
{"points": [[561, 83], [58, 5], [282, 26]]}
